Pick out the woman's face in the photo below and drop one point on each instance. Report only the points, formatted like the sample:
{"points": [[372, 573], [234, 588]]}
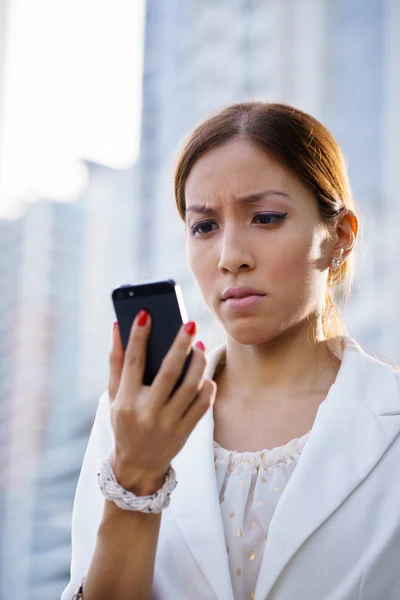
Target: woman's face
{"points": [[251, 222]]}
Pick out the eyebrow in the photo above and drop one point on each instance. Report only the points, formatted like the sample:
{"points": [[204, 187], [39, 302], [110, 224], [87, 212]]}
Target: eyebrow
{"points": [[250, 199]]}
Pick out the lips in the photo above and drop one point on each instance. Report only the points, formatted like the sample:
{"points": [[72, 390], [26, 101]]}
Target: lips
{"points": [[241, 292]]}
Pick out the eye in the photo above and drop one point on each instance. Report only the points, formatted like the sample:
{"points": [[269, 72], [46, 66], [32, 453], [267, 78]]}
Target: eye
{"points": [[270, 218], [267, 219], [196, 229]]}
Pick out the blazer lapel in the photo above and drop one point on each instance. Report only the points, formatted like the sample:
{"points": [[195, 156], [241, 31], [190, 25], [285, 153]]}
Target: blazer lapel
{"points": [[353, 428], [195, 503]]}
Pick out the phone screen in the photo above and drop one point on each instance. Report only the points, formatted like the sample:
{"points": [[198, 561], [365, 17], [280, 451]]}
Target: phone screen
{"points": [[164, 302]]}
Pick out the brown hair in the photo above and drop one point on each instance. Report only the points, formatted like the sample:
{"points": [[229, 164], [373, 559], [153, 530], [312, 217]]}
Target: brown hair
{"points": [[302, 144]]}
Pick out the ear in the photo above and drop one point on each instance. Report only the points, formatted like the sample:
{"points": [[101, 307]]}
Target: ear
{"points": [[345, 235]]}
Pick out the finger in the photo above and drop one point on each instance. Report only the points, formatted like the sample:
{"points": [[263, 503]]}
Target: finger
{"points": [[172, 364], [135, 356], [188, 390], [116, 360], [199, 407]]}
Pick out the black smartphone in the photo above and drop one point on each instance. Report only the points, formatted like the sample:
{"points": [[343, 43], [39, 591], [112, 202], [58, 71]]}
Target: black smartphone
{"points": [[163, 300]]}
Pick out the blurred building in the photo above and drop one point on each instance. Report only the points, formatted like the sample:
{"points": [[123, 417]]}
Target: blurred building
{"points": [[362, 95], [10, 248], [58, 266], [41, 317]]}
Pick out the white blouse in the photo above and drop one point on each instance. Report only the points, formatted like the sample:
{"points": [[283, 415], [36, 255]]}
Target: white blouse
{"points": [[249, 486]]}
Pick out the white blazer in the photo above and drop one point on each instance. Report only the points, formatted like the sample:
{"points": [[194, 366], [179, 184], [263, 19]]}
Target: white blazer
{"points": [[335, 534]]}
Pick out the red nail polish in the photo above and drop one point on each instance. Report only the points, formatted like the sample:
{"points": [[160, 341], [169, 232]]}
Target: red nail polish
{"points": [[190, 328], [115, 325], [142, 318], [200, 345]]}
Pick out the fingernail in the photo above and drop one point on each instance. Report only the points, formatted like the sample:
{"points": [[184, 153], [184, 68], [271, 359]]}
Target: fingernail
{"points": [[115, 325], [142, 318], [190, 327], [200, 345]]}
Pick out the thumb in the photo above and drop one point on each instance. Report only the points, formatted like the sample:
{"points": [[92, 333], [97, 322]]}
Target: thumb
{"points": [[116, 361]]}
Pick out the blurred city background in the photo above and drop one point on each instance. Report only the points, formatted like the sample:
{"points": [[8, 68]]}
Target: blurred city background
{"points": [[95, 100]]}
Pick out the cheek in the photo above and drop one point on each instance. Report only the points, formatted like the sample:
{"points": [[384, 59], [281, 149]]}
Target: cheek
{"points": [[200, 260], [191, 256], [203, 261], [296, 260]]}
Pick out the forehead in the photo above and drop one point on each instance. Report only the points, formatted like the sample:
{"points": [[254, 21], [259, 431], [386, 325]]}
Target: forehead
{"points": [[236, 168]]}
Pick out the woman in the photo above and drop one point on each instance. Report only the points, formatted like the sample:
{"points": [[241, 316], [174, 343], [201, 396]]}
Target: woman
{"points": [[286, 461]]}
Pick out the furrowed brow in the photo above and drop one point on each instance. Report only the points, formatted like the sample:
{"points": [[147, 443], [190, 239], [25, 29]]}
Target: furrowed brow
{"points": [[249, 199]]}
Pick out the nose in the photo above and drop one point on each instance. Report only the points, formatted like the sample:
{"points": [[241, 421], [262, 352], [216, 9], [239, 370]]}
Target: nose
{"points": [[234, 254]]}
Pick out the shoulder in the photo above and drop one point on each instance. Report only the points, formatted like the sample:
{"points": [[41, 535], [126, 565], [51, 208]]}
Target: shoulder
{"points": [[372, 379]]}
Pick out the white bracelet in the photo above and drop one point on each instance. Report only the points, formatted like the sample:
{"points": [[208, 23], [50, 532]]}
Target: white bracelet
{"points": [[128, 500]]}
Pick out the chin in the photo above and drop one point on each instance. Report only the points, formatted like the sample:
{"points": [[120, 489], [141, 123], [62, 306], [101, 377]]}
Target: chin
{"points": [[251, 336]]}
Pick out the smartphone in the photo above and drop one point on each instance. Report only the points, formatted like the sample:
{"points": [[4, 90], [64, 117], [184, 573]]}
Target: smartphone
{"points": [[163, 300]]}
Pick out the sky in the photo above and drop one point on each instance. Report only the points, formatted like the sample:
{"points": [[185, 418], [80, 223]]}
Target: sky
{"points": [[72, 90]]}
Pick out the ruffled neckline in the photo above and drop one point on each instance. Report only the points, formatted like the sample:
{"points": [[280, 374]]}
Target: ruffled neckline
{"points": [[262, 458]]}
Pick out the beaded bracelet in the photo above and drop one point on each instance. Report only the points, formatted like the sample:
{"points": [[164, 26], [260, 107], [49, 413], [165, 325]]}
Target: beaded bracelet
{"points": [[126, 500]]}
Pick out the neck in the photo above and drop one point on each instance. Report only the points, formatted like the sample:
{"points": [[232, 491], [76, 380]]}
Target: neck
{"points": [[290, 364]]}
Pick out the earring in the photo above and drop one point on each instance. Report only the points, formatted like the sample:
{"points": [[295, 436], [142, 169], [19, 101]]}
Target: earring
{"points": [[336, 261]]}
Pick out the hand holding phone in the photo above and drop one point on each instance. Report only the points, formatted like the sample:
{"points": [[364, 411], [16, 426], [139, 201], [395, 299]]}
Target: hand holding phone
{"points": [[151, 423], [163, 300]]}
